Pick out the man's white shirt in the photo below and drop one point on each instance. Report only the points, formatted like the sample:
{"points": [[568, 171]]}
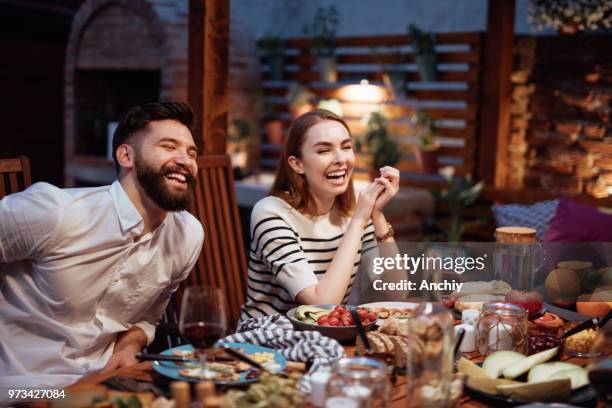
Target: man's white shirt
{"points": [[75, 270]]}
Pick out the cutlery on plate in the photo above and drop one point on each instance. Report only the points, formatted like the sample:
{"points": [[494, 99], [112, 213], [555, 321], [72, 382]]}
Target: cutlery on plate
{"points": [[162, 357]]}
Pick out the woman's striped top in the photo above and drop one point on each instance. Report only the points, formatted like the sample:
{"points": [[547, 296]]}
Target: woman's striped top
{"points": [[289, 252]]}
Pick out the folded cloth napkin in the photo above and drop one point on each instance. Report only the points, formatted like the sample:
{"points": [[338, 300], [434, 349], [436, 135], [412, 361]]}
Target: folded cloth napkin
{"points": [[276, 332]]}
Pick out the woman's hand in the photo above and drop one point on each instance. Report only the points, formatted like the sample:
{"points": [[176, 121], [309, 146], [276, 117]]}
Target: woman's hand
{"points": [[367, 199], [389, 178]]}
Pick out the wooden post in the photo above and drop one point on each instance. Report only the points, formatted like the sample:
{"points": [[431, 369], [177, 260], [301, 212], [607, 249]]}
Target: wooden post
{"points": [[208, 72], [496, 93]]}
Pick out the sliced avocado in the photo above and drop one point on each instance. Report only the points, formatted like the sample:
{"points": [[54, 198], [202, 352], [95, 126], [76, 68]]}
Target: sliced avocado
{"points": [[308, 320], [301, 311]]}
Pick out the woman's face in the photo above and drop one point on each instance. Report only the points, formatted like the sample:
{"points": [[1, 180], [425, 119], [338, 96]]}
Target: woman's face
{"points": [[327, 159]]}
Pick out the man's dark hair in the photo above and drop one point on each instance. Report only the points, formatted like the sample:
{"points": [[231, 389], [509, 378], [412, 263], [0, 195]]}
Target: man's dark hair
{"points": [[139, 117]]}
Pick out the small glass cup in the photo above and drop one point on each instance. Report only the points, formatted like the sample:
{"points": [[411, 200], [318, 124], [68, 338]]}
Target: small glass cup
{"points": [[501, 326], [362, 380]]}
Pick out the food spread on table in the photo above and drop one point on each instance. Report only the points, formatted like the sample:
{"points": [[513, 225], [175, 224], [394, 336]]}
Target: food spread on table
{"points": [[338, 316]]}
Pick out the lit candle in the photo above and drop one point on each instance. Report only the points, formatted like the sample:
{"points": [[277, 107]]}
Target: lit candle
{"points": [[468, 344], [318, 381], [499, 337]]}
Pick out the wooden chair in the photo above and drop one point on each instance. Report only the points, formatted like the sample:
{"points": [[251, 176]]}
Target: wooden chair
{"points": [[222, 262], [14, 175]]}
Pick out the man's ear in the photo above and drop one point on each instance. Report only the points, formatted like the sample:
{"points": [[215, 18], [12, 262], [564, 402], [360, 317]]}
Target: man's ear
{"points": [[125, 156], [296, 164]]}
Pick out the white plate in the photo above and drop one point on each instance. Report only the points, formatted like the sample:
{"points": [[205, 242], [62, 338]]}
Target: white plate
{"points": [[389, 305]]}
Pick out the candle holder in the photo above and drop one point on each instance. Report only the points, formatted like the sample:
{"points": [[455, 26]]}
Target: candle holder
{"points": [[501, 326], [362, 380]]}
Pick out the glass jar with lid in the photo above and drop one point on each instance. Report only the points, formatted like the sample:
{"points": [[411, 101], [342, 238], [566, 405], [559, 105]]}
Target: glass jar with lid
{"points": [[501, 326]]}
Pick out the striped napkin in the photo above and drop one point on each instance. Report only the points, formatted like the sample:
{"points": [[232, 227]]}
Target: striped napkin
{"points": [[276, 332]]}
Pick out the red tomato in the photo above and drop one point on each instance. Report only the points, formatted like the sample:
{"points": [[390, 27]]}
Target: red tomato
{"points": [[372, 316], [323, 320], [346, 313], [350, 321], [339, 308], [345, 321], [335, 313], [362, 313], [333, 321]]}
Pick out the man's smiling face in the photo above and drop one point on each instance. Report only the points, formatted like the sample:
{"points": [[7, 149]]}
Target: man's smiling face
{"points": [[165, 164]]}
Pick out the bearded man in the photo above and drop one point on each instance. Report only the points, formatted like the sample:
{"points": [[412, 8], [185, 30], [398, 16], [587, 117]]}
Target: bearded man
{"points": [[86, 273]]}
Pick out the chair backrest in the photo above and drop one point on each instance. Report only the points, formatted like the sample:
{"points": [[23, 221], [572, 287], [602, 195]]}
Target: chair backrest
{"points": [[222, 262], [14, 175]]}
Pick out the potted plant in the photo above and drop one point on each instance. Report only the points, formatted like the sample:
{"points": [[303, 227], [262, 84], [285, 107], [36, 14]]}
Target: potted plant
{"points": [[426, 151], [239, 132], [273, 48], [460, 194], [322, 31], [423, 47], [300, 100], [385, 150]]}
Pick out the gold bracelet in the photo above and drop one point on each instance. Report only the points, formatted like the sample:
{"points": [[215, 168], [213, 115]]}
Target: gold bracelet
{"points": [[386, 235]]}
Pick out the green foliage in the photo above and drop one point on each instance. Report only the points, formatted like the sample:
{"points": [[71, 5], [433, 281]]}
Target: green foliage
{"points": [[458, 196], [425, 128], [299, 95], [385, 150], [239, 129], [420, 41], [272, 45], [322, 30]]}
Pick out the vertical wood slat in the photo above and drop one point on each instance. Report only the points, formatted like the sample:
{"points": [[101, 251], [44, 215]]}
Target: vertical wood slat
{"points": [[222, 262], [14, 175]]}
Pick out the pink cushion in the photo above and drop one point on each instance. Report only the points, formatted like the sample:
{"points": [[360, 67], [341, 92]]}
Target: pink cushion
{"points": [[575, 222]]}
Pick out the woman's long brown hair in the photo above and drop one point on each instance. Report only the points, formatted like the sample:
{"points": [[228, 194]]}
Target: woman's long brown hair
{"points": [[293, 187]]}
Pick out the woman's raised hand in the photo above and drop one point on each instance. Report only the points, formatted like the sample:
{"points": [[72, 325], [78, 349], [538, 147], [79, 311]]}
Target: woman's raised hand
{"points": [[367, 199], [389, 178]]}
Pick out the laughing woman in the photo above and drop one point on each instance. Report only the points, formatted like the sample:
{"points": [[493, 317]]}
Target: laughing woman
{"points": [[307, 237]]}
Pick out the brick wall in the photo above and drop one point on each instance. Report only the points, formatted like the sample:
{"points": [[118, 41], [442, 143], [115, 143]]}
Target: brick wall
{"points": [[123, 35]]}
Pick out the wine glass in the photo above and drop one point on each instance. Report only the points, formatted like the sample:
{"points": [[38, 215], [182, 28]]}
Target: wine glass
{"points": [[203, 318]]}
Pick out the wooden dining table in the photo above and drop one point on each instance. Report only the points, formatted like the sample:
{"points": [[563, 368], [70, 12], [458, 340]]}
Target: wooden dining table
{"points": [[144, 372]]}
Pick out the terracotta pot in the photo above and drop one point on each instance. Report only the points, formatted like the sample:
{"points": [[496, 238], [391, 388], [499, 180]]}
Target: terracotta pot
{"points": [[275, 132], [427, 160]]}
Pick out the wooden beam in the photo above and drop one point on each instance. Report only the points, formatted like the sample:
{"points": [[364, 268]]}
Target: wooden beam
{"points": [[496, 93], [208, 72]]}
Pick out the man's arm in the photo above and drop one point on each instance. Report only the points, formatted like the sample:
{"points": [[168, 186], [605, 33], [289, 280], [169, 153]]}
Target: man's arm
{"points": [[128, 344]]}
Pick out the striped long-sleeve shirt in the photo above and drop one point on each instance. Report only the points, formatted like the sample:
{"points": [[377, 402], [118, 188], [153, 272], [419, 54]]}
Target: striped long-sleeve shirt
{"points": [[289, 252]]}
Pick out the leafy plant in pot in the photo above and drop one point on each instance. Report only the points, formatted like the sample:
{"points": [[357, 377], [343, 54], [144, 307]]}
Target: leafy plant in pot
{"points": [[300, 100], [426, 151], [322, 31], [458, 196], [423, 46], [385, 150], [273, 48]]}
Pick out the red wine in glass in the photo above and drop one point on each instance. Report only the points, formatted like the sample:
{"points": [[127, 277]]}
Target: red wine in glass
{"points": [[202, 319], [203, 335]]}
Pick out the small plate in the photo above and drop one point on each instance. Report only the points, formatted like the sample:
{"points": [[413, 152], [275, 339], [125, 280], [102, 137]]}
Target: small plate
{"points": [[172, 370]]}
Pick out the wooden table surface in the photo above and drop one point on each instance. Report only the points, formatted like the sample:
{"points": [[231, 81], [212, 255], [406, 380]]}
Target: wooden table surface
{"points": [[143, 371]]}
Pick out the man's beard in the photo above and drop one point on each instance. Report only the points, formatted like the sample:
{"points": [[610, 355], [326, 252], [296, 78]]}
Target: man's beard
{"points": [[154, 184]]}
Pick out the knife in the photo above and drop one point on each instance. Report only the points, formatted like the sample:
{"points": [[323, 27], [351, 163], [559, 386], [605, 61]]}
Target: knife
{"points": [[595, 322], [361, 330], [162, 357]]}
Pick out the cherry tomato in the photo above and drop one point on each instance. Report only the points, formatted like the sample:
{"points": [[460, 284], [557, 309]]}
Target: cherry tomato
{"points": [[339, 308], [333, 321], [372, 316], [322, 320], [362, 313], [335, 314]]}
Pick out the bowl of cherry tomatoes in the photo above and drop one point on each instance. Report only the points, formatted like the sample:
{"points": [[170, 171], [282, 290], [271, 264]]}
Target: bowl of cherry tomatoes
{"points": [[333, 321]]}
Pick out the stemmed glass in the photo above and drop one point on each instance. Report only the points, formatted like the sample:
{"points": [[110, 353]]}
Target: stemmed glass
{"points": [[203, 318]]}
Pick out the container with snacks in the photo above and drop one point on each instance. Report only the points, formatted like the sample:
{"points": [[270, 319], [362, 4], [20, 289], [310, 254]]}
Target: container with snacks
{"points": [[581, 344]]}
